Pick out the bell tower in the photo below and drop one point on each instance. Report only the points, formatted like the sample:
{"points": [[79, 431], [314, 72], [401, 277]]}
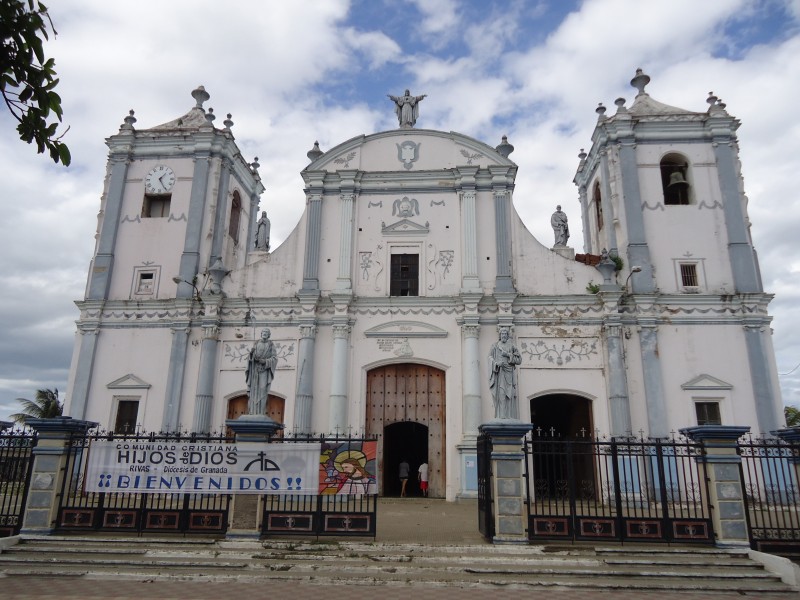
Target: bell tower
{"points": [[178, 212], [661, 188]]}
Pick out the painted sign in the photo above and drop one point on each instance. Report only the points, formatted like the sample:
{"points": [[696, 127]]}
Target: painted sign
{"points": [[134, 466]]}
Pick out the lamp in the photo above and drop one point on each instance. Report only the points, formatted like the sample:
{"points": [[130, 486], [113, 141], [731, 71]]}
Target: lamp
{"points": [[625, 294], [196, 295]]}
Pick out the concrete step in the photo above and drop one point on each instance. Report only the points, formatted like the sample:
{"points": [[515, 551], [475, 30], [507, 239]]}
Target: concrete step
{"points": [[345, 562]]}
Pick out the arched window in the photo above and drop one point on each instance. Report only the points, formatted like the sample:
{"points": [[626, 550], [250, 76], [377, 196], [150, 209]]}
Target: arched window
{"points": [[236, 215], [675, 179], [598, 205]]}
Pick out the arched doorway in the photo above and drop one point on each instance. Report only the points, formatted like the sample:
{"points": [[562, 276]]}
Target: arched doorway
{"points": [[556, 465], [237, 406], [562, 415], [409, 394], [407, 441]]}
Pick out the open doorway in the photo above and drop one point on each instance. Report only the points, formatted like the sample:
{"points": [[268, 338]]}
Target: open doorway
{"points": [[404, 440], [564, 416]]}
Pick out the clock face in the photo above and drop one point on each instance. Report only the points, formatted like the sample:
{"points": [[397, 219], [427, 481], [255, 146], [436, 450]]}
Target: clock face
{"points": [[159, 180]]}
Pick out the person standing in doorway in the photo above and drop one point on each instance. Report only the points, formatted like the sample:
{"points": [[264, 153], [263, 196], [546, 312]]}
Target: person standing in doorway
{"points": [[423, 478], [405, 469]]}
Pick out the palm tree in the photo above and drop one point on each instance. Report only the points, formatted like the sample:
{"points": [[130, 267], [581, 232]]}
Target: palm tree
{"points": [[46, 405], [792, 414]]}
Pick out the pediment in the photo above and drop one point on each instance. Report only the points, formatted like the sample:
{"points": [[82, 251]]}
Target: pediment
{"points": [[406, 329], [706, 382], [405, 227], [128, 382]]}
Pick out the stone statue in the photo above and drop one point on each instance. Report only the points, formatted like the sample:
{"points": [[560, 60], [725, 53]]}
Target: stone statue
{"points": [[503, 360], [407, 108], [262, 232], [260, 373], [560, 228]]}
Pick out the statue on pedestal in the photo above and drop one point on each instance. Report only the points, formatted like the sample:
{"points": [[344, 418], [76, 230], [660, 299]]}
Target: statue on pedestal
{"points": [[503, 360], [407, 108], [260, 373], [560, 228], [262, 232]]}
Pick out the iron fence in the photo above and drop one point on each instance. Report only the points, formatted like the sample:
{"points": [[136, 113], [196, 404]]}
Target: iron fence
{"points": [[334, 511], [769, 470], [617, 489], [16, 464], [81, 510]]}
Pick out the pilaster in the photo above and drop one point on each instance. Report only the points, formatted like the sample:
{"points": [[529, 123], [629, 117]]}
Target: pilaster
{"points": [[190, 258], [337, 420], [502, 222], [657, 420], [304, 398], [103, 262], [177, 366], [83, 372], [204, 398]]}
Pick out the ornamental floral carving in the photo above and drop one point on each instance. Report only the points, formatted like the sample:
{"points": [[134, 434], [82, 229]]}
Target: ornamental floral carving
{"points": [[559, 353]]}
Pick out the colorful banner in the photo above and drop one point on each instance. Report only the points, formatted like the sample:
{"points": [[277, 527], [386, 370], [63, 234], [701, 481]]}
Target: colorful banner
{"points": [[163, 467]]}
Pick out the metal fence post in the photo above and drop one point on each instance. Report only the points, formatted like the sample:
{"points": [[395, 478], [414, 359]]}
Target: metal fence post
{"points": [[50, 457], [725, 493]]}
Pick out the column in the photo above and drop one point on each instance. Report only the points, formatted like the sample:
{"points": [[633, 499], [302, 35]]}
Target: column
{"points": [[204, 397], [618, 399], [313, 233], [338, 400], [344, 277], [190, 258], [49, 470], [587, 236], [304, 398], [653, 381], [469, 230], [746, 277], [103, 263], [83, 372], [725, 494], [768, 410], [471, 407], [218, 235], [508, 482], [638, 251], [607, 205], [177, 365], [502, 228]]}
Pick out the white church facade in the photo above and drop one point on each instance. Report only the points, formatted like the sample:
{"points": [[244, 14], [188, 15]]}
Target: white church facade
{"points": [[385, 300]]}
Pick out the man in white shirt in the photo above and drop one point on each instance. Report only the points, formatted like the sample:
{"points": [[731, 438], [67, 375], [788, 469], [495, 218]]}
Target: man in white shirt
{"points": [[423, 478]]}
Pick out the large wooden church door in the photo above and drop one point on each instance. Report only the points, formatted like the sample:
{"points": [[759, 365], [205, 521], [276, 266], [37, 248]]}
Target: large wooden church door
{"points": [[409, 393]]}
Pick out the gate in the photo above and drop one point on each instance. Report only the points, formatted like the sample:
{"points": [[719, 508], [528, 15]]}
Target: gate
{"points": [[620, 489], [485, 512], [333, 511], [16, 464], [772, 501], [80, 510]]}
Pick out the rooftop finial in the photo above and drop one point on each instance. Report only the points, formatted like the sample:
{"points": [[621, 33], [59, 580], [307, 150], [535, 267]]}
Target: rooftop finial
{"points": [[314, 153], [582, 154], [228, 123], [504, 149], [620, 102], [129, 121], [254, 165], [640, 81], [601, 111], [200, 95], [210, 116]]}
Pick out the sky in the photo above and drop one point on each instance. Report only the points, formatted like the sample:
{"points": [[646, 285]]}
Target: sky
{"points": [[291, 73]]}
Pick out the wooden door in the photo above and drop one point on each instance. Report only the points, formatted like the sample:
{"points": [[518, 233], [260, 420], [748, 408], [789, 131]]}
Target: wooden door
{"points": [[238, 406], [409, 392]]}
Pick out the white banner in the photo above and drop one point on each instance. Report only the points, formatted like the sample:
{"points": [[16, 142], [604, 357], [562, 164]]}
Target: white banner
{"points": [[164, 467]]}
